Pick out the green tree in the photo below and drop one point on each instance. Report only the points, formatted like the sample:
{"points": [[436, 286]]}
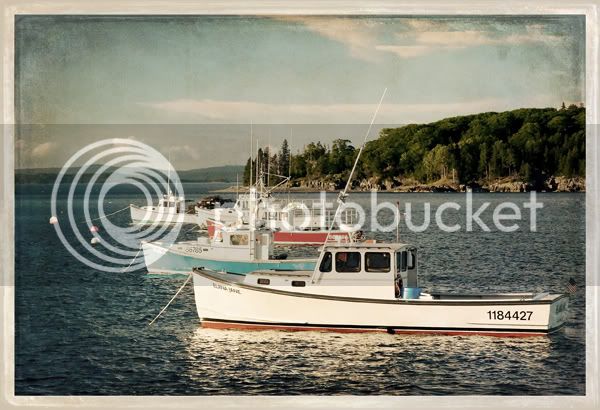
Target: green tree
{"points": [[284, 159]]}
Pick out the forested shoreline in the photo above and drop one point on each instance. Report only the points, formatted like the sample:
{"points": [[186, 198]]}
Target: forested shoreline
{"points": [[523, 149]]}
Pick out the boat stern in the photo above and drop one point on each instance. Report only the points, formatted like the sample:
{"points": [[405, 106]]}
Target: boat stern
{"points": [[153, 252], [559, 312]]}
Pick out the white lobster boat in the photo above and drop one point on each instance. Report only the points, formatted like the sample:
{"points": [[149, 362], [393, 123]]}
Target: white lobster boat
{"points": [[169, 210], [367, 287], [232, 251]]}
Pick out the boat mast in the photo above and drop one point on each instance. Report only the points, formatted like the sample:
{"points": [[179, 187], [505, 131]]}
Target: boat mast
{"points": [[258, 175], [251, 148], [169, 178], [290, 166], [342, 195], [269, 159]]}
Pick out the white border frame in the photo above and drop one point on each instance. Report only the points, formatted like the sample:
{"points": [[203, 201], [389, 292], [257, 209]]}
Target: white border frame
{"points": [[332, 7]]}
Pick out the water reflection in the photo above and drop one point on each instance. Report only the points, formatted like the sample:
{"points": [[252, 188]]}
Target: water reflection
{"points": [[275, 362]]}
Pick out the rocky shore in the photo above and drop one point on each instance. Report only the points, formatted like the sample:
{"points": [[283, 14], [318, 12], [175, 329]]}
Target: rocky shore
{"points": [[332, 184]]}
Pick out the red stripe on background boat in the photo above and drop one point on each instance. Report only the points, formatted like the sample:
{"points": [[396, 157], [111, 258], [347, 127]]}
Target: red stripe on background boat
{"points": [[315, 237]]}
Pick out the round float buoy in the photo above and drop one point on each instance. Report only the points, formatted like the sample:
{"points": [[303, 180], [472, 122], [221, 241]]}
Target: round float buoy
{"points": [[53, 220], [94, 228], [95, 241]]}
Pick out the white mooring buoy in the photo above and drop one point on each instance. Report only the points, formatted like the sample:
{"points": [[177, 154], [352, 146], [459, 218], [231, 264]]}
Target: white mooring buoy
{"points": [[53, 220]]}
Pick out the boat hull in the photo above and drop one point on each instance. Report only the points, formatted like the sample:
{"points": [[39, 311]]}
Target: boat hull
{"points": [[181, 259], [140, 215], [225, 304]]}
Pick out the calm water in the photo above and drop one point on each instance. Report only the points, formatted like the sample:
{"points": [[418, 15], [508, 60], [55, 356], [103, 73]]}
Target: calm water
{"points": [[84, 332]]}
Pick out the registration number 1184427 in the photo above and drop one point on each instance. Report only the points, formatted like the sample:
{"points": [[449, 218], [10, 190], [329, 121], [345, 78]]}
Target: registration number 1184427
{"points": [[509, 315]]}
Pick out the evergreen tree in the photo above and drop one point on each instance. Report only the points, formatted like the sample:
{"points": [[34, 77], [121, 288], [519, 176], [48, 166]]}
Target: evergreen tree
{"points": [[284, 158]]}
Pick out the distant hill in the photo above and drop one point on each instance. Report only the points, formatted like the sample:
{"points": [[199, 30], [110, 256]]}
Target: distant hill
{"points": [[227, 173]]}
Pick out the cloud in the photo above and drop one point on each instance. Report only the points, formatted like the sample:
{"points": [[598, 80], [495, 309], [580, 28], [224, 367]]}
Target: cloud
{"points": [[42, 150], [244, 112], [357, 34], [430, 41], [182, 152], [421, 37]]}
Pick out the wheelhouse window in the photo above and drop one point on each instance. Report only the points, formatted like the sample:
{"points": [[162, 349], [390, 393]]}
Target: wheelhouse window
{"points": [[326, 263], [347, 261], [377, 261], [412, 259], [401, 261], [239, 239]]}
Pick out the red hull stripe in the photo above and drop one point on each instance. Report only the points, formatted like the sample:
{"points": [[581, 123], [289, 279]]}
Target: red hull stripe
{"points": [[282, 237], [306, 237], [212, 324]]}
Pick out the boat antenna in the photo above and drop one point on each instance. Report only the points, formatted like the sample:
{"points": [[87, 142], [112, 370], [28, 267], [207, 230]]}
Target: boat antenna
{"points": [[269, 158], [251, 148], [258, 176], [290, 165], [342, 195], [169, 176]]}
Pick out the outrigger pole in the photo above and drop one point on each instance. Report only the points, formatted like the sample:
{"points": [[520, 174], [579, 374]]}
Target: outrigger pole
{"points": [[342, 195], [251, 148]]}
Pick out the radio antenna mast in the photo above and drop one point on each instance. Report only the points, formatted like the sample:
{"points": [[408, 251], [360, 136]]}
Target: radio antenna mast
{"points": [[342, 195], [251, 148]]}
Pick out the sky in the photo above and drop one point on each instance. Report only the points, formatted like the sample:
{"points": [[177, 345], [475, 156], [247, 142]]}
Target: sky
{"points": [[191, 86]]}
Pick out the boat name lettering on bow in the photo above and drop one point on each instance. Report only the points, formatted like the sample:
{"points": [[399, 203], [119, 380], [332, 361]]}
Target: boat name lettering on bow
{"points": [[562, 307], [226, 288], [508, 315]]}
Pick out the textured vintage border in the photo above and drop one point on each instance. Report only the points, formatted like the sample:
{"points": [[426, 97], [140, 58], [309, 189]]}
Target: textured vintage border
{"points": [[400, 7]]}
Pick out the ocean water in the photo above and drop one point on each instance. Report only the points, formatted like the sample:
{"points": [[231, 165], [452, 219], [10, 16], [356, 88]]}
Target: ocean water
{"points": [[81, 331]]}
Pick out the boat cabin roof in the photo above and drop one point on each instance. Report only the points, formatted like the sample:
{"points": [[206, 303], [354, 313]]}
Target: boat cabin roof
{"points": [[357, 247]]}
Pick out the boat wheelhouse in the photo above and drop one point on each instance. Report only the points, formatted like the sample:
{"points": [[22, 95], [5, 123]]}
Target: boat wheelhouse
{"points": [[170, 209]]}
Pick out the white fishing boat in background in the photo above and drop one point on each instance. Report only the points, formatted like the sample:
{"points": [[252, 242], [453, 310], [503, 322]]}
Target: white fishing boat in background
{"points": [[367, 287], [295, 235], [231, 251], [170, 209], [293, 222]]}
